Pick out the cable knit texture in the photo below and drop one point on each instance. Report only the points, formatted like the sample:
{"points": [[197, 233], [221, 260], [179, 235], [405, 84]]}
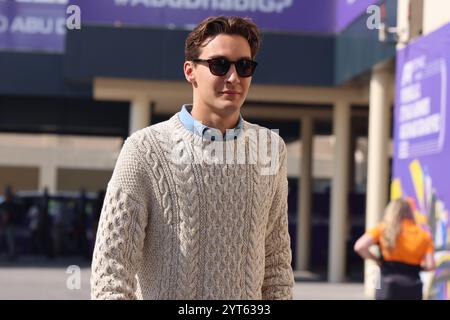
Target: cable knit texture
{"points": [[191, 227]]}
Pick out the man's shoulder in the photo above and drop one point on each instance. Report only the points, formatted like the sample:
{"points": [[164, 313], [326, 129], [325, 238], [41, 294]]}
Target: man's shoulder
{"points": [[151, 138], [158, 131]]}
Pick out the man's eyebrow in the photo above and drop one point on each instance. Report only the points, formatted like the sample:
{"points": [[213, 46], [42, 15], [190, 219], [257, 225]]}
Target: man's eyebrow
{"points": [[218, 56]]}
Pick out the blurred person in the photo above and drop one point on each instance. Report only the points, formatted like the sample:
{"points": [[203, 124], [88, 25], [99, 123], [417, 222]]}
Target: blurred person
{"points": [[45, 242], [58, 231], [10, 212], [67, 227], [406, 249], [33, 215], [191, 230], [81, 228]]}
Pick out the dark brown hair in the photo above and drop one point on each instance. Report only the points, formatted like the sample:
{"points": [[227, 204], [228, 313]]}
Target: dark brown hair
{"points": [[213, 26]]}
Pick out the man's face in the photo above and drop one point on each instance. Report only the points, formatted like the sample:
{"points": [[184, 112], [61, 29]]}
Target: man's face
{"points": [[223, 95]]}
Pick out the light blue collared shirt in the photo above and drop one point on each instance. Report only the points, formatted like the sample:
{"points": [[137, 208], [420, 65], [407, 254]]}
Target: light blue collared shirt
{"points": [[206, 132]]}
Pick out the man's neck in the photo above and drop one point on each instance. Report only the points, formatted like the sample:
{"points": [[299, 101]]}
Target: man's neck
{"points": [[214, 120]]}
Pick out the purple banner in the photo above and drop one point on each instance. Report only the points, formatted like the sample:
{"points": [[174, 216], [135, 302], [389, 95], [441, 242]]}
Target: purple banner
{"points": [[282, 15], [348, 11], [316, 16], [422, 143], [32, 26], [39, 25]]}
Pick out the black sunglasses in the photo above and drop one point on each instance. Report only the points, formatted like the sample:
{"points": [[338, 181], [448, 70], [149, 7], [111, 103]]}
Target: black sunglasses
{"points": [[220, 66]]}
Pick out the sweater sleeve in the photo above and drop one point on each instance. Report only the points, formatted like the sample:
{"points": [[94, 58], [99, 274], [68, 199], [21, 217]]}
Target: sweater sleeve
{"points": [[278, 279], [121, 229]]}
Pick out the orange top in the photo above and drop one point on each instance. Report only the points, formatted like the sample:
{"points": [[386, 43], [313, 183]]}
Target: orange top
{"points": [[413, 243]]}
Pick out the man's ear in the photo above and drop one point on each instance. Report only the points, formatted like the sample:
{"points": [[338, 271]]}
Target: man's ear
{"points": [[189, 71]]}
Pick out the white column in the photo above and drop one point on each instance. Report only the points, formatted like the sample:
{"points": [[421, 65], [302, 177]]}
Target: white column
{"points": [[304, 195], [403, 22], [381, 90], [339, 193], [139, 113], [48, 177]]}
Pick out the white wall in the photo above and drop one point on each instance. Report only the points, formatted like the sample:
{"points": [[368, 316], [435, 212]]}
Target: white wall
{"points": [[61, 151], [436, 14], [49, 152]]}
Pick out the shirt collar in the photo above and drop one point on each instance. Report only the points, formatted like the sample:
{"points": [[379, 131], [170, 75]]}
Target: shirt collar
{"points": [[200, 129]]}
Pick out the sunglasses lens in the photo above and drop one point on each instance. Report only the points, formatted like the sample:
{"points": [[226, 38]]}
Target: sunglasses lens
{"points": [[245, 68], [219, 67]]}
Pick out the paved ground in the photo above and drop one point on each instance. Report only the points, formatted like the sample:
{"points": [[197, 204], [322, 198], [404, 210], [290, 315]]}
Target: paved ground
{"points": [[32, 278], [328, 291]]}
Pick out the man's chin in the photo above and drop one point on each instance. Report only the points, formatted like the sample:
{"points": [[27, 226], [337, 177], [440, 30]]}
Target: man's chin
{"points": [[230, 106]]}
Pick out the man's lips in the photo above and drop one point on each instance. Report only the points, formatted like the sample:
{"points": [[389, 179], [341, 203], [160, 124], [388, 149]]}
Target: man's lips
{"points": [[229, 92]]}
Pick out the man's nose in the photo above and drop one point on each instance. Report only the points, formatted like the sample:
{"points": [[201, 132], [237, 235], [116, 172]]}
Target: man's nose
{"points": [[232, 75]]}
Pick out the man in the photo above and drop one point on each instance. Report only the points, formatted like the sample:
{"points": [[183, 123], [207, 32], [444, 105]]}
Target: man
{"points": [[180, 222], [10, 213]]}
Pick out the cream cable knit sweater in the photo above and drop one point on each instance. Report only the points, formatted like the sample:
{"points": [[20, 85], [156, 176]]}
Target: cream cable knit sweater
{"points": [[180, 228]]}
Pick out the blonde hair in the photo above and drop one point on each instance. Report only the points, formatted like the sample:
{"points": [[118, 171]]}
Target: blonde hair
{"points": [[396, 211]]}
